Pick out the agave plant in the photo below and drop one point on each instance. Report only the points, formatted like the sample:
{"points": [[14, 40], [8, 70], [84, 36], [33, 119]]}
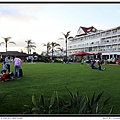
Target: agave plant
{"points": [[85, 105], [43, 106], [77, 104]]}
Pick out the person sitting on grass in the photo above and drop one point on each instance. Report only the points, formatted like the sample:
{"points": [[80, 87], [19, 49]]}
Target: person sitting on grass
{"points": [[4, 67], [99, 66], [6, 76], [92, 65]]}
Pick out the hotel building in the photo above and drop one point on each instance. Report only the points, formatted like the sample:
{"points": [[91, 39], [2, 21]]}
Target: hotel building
{"points": [[106, 42]]}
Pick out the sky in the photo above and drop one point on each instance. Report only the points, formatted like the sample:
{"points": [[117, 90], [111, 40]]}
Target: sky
{"points": [[43, 23]]}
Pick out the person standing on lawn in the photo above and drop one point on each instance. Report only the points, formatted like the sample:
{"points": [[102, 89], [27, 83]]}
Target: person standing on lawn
{"points": [[17, 64], [82, 61], [7, 61]]}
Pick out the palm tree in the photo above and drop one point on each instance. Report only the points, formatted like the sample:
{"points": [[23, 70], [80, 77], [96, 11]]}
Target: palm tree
{"points": [[7, 41], [48, 47], [53, 45], [30, 45], [66, 37], [61, 49]]}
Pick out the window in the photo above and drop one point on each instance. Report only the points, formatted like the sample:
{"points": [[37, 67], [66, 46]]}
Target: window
{"points": [[79, 45]]}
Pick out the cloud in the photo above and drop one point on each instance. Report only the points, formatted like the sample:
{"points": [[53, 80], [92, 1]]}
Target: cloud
{"points": [[118, 11], [28, 6], [19, 12], [23, 22], [38, 30], [33, 21]]}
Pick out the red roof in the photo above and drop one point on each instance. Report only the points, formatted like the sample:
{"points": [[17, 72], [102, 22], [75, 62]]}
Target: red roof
{"points": [[86, 30]]}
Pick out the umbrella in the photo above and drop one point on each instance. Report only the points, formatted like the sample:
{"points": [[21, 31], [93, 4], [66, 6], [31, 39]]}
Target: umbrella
{"points": [[82, 53], [72, 55]]}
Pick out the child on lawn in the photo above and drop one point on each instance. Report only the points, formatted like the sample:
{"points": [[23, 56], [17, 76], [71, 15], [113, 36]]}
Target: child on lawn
{"points": [[4, 67], [99, 66], [6, 76]]}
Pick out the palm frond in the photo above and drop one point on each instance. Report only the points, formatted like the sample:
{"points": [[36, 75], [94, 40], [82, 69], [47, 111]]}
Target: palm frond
{"points": [[44, 44], [33, 43], [63, 33], [12, 42], [26, 41], [9, 37], [49, 48], [68, 32], [69, 38], [32, 46], [2, 43], [61, 39], [6, 37], [57, 44], [61, 49], [48, 44]]}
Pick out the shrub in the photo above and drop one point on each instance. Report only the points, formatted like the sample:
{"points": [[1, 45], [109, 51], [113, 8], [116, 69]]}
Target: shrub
{"points": [[76, 105]]}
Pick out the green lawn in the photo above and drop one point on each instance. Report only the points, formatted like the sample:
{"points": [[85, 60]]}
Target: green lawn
{"points": [[44, 78]]}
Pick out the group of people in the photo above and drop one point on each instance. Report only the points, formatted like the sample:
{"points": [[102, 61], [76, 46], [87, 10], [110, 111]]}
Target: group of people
{"points": [[99, 65], [92, 64], [6, 74]]}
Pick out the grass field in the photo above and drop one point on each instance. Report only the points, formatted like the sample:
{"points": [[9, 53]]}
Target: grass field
{"points": [[44, 78]]}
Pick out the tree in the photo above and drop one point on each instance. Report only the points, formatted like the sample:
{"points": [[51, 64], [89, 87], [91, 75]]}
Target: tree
{"points": [[7, 41], [48, 47], [61, 49], [66, 37], [21, 51], [30, 45], [53, 45]]}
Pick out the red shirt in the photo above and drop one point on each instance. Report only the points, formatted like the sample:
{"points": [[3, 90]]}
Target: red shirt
{"points": [[2, 78], [119, 61]]}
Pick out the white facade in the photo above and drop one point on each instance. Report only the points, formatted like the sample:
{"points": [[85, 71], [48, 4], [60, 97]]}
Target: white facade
{"points": [[106, 42]]}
